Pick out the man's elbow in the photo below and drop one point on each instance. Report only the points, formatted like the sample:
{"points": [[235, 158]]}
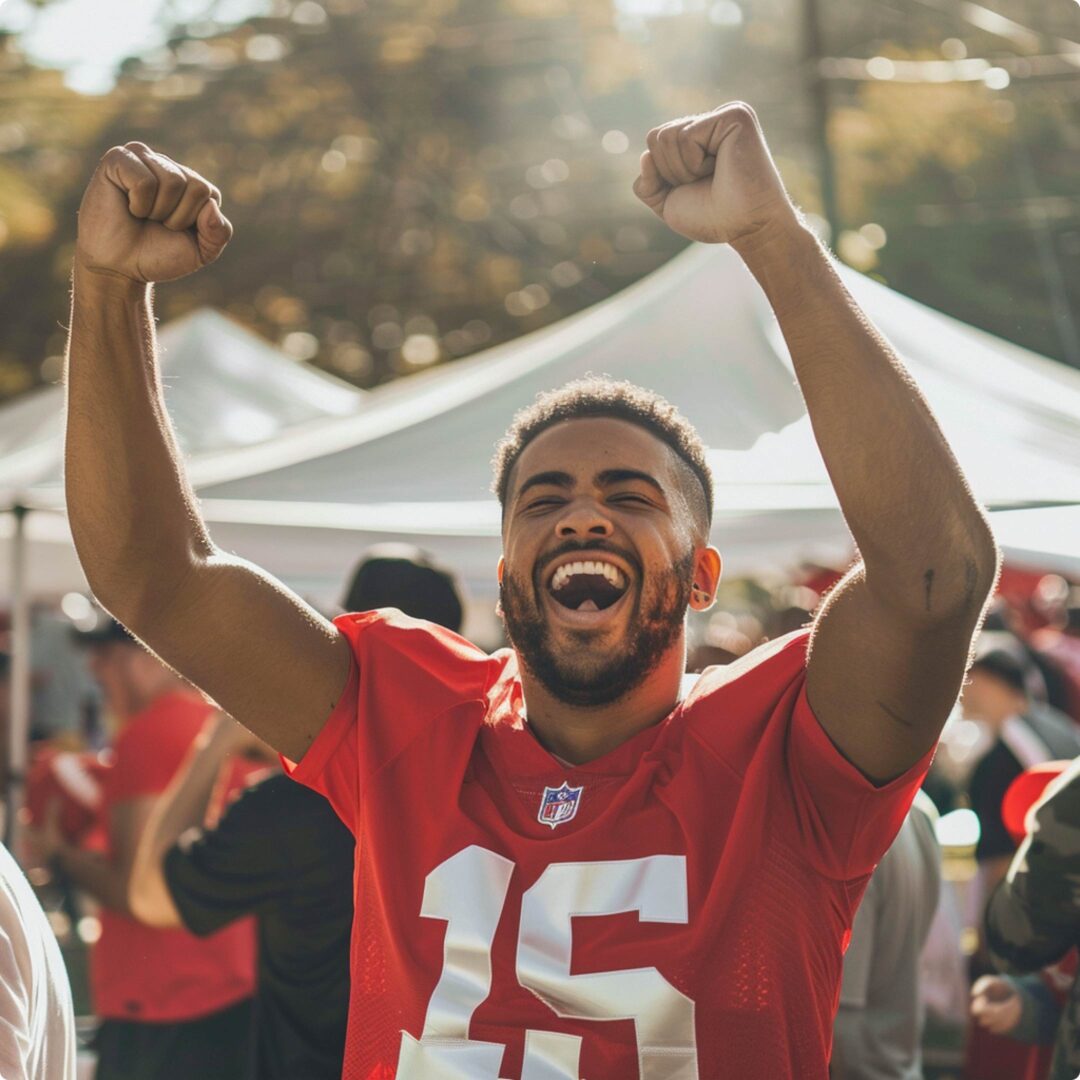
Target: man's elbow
{"points": [[950, 588]]}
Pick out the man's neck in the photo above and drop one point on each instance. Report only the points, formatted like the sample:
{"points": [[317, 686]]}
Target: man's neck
{"points": [[578, 734]]}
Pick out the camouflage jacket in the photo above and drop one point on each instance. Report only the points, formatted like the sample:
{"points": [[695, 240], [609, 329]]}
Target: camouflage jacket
{"points": [[1034, 916]]}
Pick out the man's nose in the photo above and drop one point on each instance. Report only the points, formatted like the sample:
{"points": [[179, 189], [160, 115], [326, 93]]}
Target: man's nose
{"points": [[583, 518]]}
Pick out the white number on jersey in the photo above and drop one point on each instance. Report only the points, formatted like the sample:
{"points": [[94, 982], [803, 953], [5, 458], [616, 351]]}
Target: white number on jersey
{"points": [[469, 890]]}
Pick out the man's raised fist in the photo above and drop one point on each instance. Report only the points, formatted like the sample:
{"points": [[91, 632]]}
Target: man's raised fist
{"points": [[712, 178], [148, 218]]}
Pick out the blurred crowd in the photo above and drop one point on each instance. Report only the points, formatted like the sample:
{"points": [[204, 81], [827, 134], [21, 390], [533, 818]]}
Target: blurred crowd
{"points": [[154, 834]]}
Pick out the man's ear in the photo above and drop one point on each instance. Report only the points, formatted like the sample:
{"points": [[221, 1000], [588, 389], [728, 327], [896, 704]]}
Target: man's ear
{"points": [[500, 569], [708, 566]]}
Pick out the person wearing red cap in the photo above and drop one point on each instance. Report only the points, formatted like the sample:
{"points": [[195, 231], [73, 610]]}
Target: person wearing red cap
{"points": [[1025, 1008], [1033, 919]]}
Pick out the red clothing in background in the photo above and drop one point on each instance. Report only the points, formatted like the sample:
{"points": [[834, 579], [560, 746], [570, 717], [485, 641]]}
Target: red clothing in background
{"points": [[681, 915], [138, 972]]}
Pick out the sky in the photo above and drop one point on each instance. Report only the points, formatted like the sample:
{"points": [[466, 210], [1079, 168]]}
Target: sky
{"points": [[89, 38]]}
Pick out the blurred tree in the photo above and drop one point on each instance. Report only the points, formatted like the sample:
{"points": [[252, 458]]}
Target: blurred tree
{"points": [[416, 179]]}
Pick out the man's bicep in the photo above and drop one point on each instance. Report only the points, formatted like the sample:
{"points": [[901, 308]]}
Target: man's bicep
{"points": [[263, 654], [881, 683]]}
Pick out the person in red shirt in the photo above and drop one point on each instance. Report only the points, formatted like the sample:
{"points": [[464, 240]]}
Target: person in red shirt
{"points": [[171, 1004], [564, 868]]}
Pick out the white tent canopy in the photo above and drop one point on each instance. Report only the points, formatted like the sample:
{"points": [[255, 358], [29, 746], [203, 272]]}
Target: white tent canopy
{"points": [[412, 463], [225, 387]]}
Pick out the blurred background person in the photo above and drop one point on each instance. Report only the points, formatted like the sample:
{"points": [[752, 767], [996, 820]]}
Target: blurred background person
{"points": [[1023, 733], [878, 1030], [281, 853], [1033, 919], [170, 1004], [1059, 644]]}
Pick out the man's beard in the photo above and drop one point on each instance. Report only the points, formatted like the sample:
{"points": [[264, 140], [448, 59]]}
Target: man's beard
{"points": [[655, 625]]}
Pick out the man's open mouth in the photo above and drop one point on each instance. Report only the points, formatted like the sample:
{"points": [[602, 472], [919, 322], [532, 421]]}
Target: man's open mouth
{"points": [[587, 585]]}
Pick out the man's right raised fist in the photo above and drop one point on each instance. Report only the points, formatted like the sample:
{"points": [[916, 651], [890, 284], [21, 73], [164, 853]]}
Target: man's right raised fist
{"points": [[148, 218]]}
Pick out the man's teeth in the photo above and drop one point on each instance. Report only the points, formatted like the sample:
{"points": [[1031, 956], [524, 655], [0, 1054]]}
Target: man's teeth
{"points": [[568, 570]]}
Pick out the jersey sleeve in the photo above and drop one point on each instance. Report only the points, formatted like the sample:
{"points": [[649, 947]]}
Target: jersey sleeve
{"points": [[757, 718], [235, 869], [405, 672], [848, 821]]}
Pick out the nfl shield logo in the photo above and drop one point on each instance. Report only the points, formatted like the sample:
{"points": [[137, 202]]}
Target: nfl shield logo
{"points": [[559, 804]]}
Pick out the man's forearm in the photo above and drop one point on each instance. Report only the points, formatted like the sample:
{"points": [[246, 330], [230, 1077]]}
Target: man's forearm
{"points": [[901, 490], [133, 516]]}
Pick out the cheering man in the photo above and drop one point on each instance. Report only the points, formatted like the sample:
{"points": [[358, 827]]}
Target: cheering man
{"points": [[564, 870]]}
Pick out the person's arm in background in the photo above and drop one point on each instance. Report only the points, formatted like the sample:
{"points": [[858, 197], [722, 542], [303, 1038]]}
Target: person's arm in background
{"points": [[262, 653], [1034, 916], [102, 877], [1022, 1008], [181, 807], [929, 560]]}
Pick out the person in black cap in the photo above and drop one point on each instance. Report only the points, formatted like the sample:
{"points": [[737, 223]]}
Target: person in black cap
{"points": [[279, 852], [1024, 735]]}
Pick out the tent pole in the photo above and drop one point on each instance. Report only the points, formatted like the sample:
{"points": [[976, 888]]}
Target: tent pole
{"points": [[19, 720], [818, 91]]}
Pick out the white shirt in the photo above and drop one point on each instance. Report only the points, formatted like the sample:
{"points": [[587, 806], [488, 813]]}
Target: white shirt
{"points": [[37, 1020]]}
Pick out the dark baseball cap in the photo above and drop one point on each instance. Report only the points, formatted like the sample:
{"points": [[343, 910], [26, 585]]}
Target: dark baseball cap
{"points": [[405, 577], [1003, 665]]}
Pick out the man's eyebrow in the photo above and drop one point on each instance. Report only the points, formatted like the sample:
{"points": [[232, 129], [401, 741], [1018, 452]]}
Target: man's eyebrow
{"points": [[553, 477], [621, 476]]}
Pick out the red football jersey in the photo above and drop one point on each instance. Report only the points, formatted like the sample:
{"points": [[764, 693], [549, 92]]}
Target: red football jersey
{"points": [[675, 910]]}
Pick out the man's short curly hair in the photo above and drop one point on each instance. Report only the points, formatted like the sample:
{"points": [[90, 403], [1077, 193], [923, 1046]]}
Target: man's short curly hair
{"points": [[597, 396]]}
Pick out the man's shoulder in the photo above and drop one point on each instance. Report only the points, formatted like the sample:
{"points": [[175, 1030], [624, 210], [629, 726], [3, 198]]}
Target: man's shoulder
{"points": [[768, 669], [388, 635], [731, 707], [431, 666]]}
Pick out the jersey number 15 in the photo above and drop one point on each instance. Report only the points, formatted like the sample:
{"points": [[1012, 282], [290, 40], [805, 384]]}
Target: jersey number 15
{"points": [[468, 891]]}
